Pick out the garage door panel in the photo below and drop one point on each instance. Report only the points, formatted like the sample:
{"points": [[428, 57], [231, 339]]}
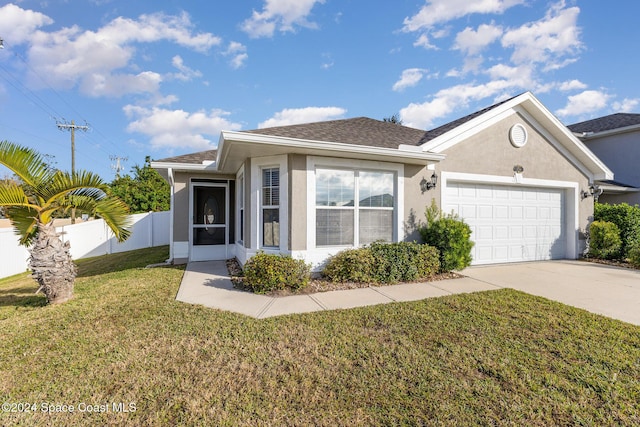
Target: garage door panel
{"points": [[511, 223]]}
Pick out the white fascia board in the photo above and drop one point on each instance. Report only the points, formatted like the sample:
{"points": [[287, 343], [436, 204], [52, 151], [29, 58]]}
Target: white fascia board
{"points": [[579, 150], [586, 136], [183, 167], [542, 119], [401, 152], [475, 125]]}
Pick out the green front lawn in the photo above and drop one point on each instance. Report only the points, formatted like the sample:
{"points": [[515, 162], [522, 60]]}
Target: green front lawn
{"points": [[491, 358]]}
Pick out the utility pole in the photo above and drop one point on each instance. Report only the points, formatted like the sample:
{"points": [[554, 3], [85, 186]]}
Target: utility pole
{"points": [[72, 127], [117, 167]]}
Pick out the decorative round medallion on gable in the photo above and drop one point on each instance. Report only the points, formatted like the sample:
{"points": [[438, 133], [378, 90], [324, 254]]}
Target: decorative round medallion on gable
{"points": [[518, 135]]}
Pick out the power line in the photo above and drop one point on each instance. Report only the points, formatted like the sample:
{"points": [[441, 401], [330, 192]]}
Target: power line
{"points": [[118, 166]]}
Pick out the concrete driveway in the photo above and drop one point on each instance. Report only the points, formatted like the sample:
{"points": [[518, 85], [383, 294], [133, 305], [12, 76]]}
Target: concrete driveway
{"points": [[610, 291]]}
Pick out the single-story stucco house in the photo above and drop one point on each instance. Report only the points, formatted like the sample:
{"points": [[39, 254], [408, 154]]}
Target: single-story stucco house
{"points": [[513, 171], [615, 139]]}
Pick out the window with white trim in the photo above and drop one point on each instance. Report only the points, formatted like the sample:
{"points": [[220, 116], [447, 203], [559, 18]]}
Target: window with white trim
{"points": [[354, 207], [270, 207]]}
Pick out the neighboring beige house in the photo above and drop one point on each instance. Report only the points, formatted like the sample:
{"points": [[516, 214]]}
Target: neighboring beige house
{"points": [[512, 171], [615, 139]]}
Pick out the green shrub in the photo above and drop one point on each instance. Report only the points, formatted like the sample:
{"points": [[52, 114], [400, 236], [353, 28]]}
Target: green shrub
{"points": [[451, 236], [268, 272], [627, 218], [634, 256], [351, 265], [403, 261], [383, 263], [604, 240]]}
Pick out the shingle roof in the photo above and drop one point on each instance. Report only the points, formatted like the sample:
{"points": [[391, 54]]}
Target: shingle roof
{"points": [[358, 131], [441, 130], [192, 158], [601, 124]]}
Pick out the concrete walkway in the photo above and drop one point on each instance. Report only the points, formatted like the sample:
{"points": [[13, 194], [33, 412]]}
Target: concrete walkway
{"points": [[207, 283], [611, 291]]}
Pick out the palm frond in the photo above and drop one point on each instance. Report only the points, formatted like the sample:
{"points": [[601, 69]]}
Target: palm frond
{"points": [[64, 184], [12, 194], [24, 221], [116, 214], [26, 163]]}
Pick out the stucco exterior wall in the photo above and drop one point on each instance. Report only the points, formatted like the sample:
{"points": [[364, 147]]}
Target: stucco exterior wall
{"points": [[620, 153], [298, 202], [490, 153]]}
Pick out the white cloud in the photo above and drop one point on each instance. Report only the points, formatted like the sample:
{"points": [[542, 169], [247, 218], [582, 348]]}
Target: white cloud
{"points": [[585, 102], [436, 12], [572, 85], [238, 53], [292, 116], [472, 41], [178, 129], [98, 61], [423, 41], [17, 24], [409, 78], [283, 15], [547, 41], [424, 115], [626, 106], [184, 73]]}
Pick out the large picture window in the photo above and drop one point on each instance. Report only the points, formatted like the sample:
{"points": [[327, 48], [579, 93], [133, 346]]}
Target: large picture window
{"points": [[271, 207], [354, 207]]}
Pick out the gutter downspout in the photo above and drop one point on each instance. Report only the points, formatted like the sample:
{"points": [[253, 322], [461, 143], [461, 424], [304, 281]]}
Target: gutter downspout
{"points": [[171, 213]]}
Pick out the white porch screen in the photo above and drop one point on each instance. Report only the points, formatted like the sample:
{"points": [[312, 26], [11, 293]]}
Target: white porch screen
{"points": [[354, 207]]}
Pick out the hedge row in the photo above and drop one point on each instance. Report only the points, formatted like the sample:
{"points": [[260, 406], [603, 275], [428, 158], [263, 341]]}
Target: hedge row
{"points": [[383, 263]]}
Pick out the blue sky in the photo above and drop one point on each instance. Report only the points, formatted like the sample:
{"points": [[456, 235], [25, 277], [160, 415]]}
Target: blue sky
{"points": [[164, 77]]}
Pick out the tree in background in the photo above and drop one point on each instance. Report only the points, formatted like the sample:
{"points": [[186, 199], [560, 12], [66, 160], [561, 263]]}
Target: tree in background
{"points": [[146, 191], [393, 119], [37, 194]]}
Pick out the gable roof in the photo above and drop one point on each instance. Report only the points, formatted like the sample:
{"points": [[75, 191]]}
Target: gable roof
{"points": [[357, 131], [606, 123], [539, 117], [370, 139], [441, 130], [200, 157]]}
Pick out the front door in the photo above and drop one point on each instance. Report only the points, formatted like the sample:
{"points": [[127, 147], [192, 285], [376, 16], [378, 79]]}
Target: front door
{"points": [[208, 239]]}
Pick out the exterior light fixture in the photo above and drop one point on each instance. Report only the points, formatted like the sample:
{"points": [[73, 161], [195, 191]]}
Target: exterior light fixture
{"points": [[594, 191], [428, 185], [1, 43]]}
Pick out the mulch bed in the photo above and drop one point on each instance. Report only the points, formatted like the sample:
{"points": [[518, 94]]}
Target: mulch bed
{"points": [[319, 284], [615, 263]]}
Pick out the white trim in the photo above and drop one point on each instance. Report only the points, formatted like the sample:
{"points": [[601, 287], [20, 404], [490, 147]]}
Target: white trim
{"points": [[293, 144], [257, 164], [314, 162], [572, 202], [238, 201], [538, 117], [180, 250], [172, 186], [554, 142]]}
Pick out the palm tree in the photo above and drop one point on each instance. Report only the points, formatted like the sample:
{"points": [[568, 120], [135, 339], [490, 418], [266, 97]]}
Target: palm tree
{"points": [[40, 193]]}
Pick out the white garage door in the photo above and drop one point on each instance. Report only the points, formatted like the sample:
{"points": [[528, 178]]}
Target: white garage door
{"points": [[510, 223]]}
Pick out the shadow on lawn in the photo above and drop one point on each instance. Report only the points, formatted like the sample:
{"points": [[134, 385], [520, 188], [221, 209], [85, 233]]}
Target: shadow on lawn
{"points": [[23, 296], [122, 261]]}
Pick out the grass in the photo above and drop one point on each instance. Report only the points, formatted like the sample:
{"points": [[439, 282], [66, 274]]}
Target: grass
{"points": [[491, 358]]}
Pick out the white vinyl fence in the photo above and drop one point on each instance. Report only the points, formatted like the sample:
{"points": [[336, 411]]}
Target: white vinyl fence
{"points": [[88, 239]]}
